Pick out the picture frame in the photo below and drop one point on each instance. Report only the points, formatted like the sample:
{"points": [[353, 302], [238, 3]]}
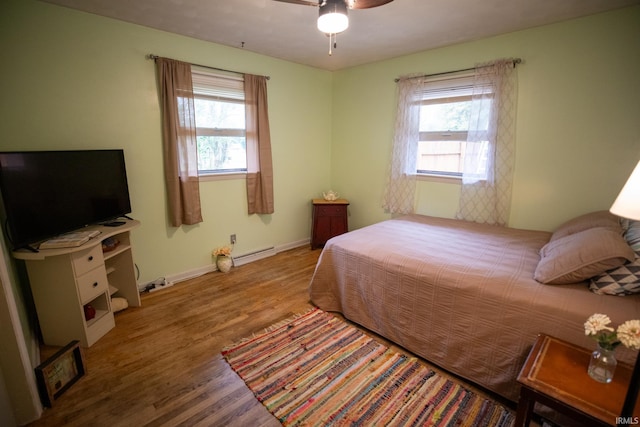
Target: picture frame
{"points": [[59, 372]]}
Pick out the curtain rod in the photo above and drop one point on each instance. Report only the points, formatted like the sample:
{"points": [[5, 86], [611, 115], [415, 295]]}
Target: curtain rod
{"points": [[515, 62], [154, 57]]}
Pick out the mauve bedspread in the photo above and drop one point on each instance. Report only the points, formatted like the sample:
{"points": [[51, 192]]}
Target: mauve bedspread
{"points": [[459, 294]]}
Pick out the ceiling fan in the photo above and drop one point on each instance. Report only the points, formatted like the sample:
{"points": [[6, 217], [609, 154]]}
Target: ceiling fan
{"points": [[353, 4], [333, 13]]}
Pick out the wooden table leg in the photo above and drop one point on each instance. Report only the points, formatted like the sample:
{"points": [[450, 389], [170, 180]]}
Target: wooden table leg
{"points": [[525, 407]]}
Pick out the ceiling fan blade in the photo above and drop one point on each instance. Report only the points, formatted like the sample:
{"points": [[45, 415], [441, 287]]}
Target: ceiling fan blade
{"points": [[367, 4], [302, 2]]}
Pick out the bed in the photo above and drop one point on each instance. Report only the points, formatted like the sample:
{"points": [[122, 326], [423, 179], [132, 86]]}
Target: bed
{"points": [[468, 297]]}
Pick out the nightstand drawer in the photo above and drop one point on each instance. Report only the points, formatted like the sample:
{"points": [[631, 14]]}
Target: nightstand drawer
{"points": [[86, 260], [331, 210], [92, 284]]}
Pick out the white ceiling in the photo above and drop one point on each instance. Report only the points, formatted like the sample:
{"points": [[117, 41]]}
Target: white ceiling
{"points": [[288, 31]]}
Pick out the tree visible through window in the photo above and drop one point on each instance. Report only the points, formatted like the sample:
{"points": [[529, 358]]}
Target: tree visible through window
{"points": [[220, 123]]}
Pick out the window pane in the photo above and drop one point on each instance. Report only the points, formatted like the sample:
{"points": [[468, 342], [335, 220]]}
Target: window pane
{"points": [[440, 156], [220, 135], [219, 114], [481, 153], [216, 153], [443, 130], [445, 116]]}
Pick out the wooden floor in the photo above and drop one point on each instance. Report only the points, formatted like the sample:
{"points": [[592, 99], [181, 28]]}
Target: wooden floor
{"points": [[161, 364]]}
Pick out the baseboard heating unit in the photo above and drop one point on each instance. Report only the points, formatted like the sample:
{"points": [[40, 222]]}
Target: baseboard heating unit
{"points": [[253, 256]]}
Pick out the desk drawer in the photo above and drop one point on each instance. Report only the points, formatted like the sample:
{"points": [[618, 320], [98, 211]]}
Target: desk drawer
{"points": [[86, 260], [92, 284]]}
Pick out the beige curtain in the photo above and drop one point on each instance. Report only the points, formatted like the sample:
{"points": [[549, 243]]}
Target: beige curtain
{"points": [[485, 195], [259, 164], [179, 141]]}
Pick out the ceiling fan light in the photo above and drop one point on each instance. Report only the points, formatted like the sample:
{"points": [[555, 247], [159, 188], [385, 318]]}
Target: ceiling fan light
{"points": [[333, 17]]}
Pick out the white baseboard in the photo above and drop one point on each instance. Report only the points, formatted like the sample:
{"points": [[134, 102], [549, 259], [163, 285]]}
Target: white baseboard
{"points": [[190, 274], [237, 261], [292, 245]]}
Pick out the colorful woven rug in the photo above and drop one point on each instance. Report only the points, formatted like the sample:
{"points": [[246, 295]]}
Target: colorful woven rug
{"points": [[318, 370]]}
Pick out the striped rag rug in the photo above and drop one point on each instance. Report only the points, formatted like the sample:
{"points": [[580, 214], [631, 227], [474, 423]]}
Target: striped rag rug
{"points": [[317, 370]]}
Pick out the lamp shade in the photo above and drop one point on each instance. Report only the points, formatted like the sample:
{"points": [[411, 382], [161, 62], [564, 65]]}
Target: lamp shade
{"points": [[627, 204], [333, 17]]}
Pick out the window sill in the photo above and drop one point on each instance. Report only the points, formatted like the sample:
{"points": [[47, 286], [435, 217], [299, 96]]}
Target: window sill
{"points": [[222, 176], [439, 178]]}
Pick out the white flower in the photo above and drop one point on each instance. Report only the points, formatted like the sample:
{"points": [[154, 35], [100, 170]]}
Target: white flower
{"points": [[597, 323], [629, 334]]}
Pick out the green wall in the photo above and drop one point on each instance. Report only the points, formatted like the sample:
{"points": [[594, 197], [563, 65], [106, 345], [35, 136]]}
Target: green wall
{"points": [[578, 130], [76, 80]]}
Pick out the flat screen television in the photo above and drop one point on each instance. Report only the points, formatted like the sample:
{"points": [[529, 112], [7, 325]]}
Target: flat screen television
{"points": [[48, 193]]}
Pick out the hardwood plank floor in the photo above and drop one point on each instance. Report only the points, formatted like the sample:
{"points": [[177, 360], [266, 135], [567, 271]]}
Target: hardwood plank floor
{"points": [[161, 365]]}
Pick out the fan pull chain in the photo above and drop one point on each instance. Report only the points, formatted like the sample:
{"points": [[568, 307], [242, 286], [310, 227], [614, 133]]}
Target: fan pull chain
{"points": [[333, 42]]}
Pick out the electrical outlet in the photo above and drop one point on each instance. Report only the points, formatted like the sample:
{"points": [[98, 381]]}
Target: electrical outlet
{"points": [[232, 239]]}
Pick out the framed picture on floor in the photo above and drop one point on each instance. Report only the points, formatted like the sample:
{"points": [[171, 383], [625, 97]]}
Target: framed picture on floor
{"points": [[59, 372]]}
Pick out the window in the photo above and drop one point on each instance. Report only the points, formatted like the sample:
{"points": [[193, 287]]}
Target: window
{"points": [[445, 113], [220, 123]]}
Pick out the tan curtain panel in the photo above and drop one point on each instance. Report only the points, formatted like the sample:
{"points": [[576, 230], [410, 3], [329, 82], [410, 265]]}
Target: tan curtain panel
{"points": [[259, 164], [179, 141]]}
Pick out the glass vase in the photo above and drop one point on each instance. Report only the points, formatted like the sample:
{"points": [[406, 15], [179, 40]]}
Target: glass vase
{"points": [[602, 365]]}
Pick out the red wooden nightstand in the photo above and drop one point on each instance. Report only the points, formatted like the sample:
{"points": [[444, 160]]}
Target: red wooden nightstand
{"points": [[329, 220]]}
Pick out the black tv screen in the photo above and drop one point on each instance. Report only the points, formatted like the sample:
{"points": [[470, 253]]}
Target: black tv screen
{"points": [[48, 193]]}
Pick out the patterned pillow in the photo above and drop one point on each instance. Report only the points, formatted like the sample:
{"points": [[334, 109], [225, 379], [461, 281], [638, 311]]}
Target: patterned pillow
{"points": [[632, 233], [621, 281]]}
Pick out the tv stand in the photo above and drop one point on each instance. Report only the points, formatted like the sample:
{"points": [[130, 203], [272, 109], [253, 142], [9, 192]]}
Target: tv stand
{"points": [[30, 248], [65, 280]]}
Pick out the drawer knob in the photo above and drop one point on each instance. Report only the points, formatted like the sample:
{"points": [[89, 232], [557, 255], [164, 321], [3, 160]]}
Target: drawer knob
{"points": [[91, 258], [95, 285]]}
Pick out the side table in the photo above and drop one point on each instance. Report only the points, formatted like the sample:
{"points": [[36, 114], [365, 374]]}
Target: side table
{"points": [[329, 220], [555, 375]]}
